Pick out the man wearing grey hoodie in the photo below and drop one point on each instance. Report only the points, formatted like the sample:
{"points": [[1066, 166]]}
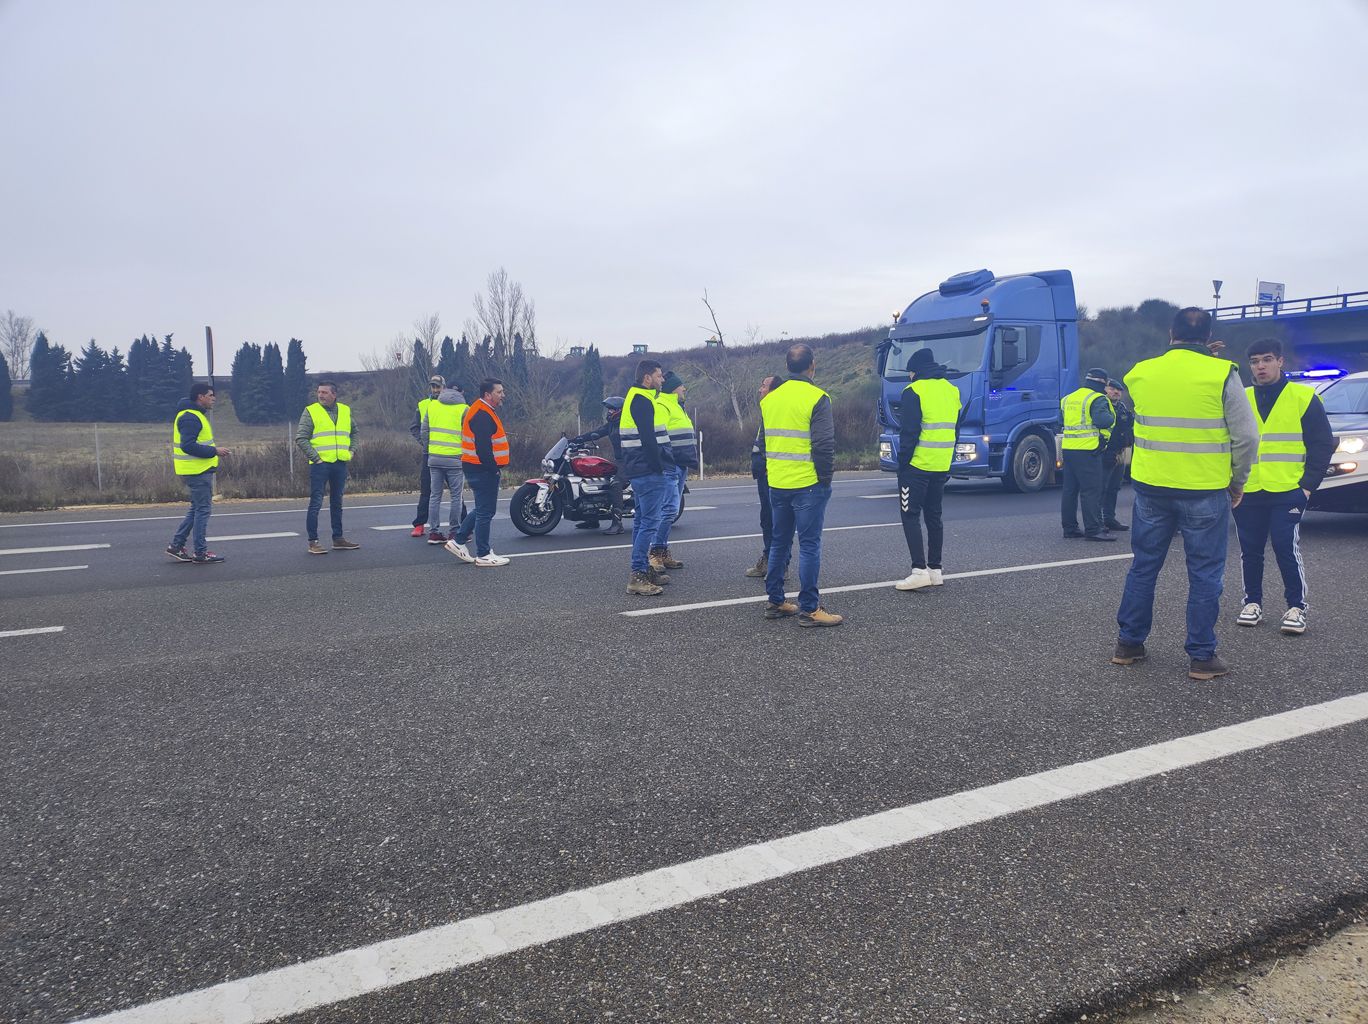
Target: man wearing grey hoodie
{"points": [[441, 439]]}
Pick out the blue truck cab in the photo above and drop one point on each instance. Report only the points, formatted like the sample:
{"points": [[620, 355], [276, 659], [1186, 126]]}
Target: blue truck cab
{"points": [[1010, 344]]}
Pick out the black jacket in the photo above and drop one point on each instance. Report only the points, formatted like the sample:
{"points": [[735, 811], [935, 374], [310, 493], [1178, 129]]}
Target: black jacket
{"points": [[482, 426], [651, 457], [612, 430], [1316, 433], [1122, 432], [188, 427], [910, 418]]}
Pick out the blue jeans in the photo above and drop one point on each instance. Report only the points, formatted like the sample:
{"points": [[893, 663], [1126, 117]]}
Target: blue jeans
{"points": [[484, 484], [452, 480], [1203, 522], [801, 510], [333, 476], [674, 494], [201, 488], [650, 492]]}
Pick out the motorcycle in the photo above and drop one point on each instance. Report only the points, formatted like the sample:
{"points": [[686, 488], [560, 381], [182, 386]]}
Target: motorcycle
{"points": [[574, 486]]}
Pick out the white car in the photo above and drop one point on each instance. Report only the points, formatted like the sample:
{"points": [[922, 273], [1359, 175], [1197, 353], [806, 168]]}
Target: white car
{"points": [[1345, 488]]}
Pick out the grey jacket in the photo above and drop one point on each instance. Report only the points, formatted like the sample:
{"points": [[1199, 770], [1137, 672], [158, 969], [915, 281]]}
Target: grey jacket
{"points": [[304, 433], [449, 396]]}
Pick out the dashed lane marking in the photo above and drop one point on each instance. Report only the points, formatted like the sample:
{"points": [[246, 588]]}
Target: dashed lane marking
{"points": [[50, 568], [217, 515], [405, 527], [44, 551], [667, 609], [688, 540], [251, 536], [33, 632], [357, 972], [893, 495]]}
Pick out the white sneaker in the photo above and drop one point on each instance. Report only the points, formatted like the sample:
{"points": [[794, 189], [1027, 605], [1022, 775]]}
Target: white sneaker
{"points": [[491, 559], [460, 551], [1294, 622], [1250, 615], [937, 578], [915, 581]]}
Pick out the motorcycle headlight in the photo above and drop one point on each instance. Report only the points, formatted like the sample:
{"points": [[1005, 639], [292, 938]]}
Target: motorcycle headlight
{"points": [[548, 465]]}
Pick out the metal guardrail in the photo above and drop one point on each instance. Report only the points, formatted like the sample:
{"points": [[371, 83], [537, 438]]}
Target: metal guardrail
{"points": [[1292, 307]]}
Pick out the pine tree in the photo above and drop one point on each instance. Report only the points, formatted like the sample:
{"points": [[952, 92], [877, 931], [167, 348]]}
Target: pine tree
{"points": [[591, 387], [518, 362], [272, 384], [171, 379], [89, 384], [245, 387], [116, 386], [296, 381], [420, 369], [462, 368], [446, 364], [6, 394], [142, 372], [49, 396]]}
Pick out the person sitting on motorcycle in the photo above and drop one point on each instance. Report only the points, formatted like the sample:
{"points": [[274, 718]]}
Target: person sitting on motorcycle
{"points": [[612, 430]]}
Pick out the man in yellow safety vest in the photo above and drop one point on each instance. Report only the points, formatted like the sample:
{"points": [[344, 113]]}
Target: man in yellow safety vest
{"points": [[195, 458], [1295, 447], [327, 436], [1088, 417], [420, 515], [928, 416]]}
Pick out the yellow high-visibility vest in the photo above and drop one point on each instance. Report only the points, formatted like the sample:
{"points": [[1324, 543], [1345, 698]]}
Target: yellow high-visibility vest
{"points": [[331, 440], [444, 428], [185, 463], [1081, 434], [786, 414], [940, 407], [1181, 437], [679, 425], [1282, 447], [633, 461]]}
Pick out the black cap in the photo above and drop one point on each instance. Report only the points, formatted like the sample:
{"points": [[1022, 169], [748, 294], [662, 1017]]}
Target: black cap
{"points": [[1098, 374], [672, 381], [922, 359], [1112, 382]]}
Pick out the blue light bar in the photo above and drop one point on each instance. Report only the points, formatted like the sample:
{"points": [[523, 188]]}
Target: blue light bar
{"points": [[1326, 372]]}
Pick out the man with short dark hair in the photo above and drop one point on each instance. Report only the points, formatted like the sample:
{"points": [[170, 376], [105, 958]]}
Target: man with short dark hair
{"points": [[1088, 417], [1295, 446], [800, 458], [327, 437], [1195, 441], [1114, 456], [484, 454], [195, 458], [648, 463]]}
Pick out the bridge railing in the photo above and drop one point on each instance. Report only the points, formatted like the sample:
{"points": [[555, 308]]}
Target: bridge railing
{"points": [[1292, 307]]}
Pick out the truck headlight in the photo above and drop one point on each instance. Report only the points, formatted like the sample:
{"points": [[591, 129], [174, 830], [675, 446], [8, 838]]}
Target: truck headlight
{"points": [[886, 451], [966, 449], [1351, 445]]}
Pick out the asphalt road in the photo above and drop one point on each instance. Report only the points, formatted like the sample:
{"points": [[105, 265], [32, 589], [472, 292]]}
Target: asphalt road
{"points": [[212, 772]]}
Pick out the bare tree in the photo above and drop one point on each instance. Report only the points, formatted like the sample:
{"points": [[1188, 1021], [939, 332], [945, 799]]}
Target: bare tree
{"points": [[391, 369], [428, 330], [502, 312], [16, 341], [717, 368]]}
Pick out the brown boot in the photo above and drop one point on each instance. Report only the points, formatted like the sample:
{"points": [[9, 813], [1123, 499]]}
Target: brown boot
{"points": [[658, 578], [821, 617], [780, 611], [657, 559], [641, 585], [671, 562], [316, 548], [342, 544], [760, 569]]}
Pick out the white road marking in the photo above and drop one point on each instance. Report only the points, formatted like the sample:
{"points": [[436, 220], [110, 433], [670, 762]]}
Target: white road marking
{"points": [[31, 632], [177, 518], [251, 536], [687, 540], [700, 508], [50, 568], [382, 965], [405, 527], [667, 609], [44, 551]]}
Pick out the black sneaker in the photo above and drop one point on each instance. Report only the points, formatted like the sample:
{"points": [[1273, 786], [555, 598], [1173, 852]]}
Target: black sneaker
{"points": [[206, 558], [1104, 536], [1072, 534], [1117, 525], [179, 554], [1128, 654], [1207, 669]]}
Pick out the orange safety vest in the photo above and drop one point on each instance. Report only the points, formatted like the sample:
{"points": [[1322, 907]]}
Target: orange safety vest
{"points": [[500, 439]]}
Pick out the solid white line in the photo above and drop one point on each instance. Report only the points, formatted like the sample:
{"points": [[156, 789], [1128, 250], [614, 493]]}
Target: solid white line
{"points": [[382, 965], [406, 526], [51, 568], [252, 536], [667, 609], [688, 540], [217, 515], [31, 632], [893, 495], [43, 551], [700, 508]]}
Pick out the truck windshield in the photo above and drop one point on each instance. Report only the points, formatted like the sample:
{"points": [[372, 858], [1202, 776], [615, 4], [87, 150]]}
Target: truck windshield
{"points": [[958, 353]]}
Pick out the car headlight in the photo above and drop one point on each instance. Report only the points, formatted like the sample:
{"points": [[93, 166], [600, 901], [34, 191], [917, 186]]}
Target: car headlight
{"points": [[1351, 445]]}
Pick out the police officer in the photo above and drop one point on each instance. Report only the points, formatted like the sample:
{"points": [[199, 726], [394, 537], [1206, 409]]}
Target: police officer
{"points": [[1295, 446], [1088, 417], [1114, 456], [1195, 441], [929, 416]]}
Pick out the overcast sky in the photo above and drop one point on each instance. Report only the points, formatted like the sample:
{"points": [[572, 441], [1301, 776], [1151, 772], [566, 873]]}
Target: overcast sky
{"points": [[333, 170]]}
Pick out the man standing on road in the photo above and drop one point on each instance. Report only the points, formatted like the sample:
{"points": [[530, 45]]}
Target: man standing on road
{"points": [[484, 453], [1114, 460], [929, 417], [1295, 446], [441, 437], [1195, 441], [327, 437], [195, 459], [612, 430], [800, 460], [761, 567], [684, 447], [648, 464], [420, 515], [1087, 418]]}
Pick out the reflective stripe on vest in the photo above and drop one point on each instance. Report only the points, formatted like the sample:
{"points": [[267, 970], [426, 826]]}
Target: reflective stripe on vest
{"points": [[331, 440], [499, 442], [1081, 434], [631, 436], [1282, 448], [1181, 438], [786, 416], [940, 407], [444, 428], [678, 425], [192, 465]]}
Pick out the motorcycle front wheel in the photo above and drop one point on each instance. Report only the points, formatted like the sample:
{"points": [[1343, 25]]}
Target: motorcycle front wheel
{"points": [[528, 517]]}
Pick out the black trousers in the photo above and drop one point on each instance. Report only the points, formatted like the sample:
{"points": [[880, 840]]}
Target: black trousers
{"points": [[1082, 487], [424, 498], [1112, 475], [920, 494], [766, 514]]}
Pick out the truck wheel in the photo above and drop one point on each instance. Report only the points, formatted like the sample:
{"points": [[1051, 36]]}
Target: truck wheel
{"points": [[1031, 466]]}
